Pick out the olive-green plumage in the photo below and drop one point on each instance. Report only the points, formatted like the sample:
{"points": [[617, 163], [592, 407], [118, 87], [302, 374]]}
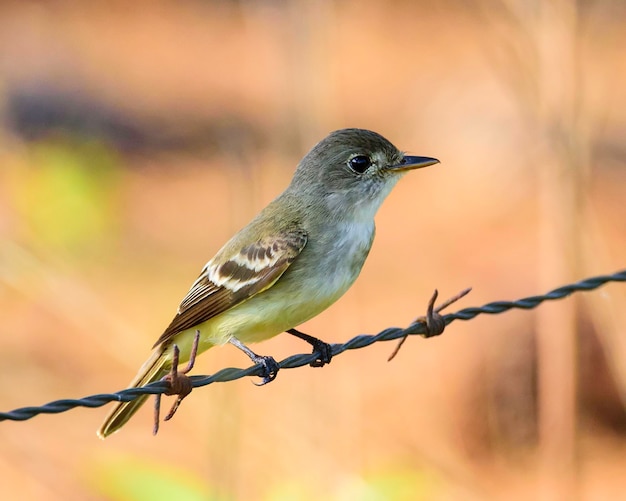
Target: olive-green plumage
{"points": [[292, 261]]}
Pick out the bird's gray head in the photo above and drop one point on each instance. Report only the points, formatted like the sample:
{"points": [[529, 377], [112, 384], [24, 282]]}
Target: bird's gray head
{"points": [[353, 170]]}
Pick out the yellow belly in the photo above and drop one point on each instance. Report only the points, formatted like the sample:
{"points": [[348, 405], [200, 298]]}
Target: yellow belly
{"points": [[261, 317]]}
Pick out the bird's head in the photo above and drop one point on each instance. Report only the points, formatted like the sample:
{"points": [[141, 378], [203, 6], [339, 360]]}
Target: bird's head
{"points": [[353, 170]]}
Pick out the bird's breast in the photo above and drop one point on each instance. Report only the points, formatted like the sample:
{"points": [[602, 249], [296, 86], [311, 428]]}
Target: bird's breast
{"points": [[340, 254]]}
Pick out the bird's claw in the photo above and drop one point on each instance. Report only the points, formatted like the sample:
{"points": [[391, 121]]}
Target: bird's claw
{"points": [[324, 353], [323, 350], [269, 369]]}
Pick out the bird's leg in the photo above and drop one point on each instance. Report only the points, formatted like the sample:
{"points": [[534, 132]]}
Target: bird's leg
{"points": [[269, 365], [324, 351], [178, 382]]}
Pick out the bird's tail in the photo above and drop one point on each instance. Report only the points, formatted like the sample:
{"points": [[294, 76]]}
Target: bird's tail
{"points": [[152, 370]]}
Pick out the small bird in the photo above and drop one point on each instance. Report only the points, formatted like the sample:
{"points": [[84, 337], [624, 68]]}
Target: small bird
{"points": [[292, 261]]}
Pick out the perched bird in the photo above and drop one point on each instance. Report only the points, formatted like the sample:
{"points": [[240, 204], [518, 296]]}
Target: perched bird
{"points": [[292, 261]]}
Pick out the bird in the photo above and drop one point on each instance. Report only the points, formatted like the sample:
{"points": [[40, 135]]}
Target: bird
{"points": [[298, 256]]}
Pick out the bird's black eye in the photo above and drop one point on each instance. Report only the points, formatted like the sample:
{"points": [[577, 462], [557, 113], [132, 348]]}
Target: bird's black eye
{"points": [[360, 163]]}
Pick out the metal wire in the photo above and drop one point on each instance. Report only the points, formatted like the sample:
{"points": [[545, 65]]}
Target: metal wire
{"points": [[392, 333]]}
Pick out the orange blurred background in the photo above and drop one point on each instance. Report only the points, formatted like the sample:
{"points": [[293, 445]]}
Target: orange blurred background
{"points": [[136, 138]]}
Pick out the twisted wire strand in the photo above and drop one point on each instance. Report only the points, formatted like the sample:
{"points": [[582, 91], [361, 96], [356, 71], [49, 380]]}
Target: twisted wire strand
{"points": [[294, 361]]}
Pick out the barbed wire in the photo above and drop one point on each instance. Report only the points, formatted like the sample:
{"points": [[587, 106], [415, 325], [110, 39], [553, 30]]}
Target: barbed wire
{"points": [[294, 361]]}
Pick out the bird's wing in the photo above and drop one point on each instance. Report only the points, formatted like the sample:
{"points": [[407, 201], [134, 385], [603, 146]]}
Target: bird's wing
{"points": [[221, 286]]}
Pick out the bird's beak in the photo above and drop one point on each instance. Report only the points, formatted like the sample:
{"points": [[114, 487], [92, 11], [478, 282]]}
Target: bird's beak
{"points": [[410, 163]]}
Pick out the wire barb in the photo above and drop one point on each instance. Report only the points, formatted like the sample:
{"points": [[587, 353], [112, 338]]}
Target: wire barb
{"points": [[178, 383], [392, 333], [433, 321]]}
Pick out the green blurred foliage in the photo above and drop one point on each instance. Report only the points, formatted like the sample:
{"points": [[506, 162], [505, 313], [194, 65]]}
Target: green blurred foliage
{"points": [[393, 484], [128, 478], [65, 195], [390, 485]]}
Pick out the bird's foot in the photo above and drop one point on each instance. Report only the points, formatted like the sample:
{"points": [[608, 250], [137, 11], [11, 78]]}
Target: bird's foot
{"points": [[324, 351], [269, 366], [178, 383], [435, 323]]}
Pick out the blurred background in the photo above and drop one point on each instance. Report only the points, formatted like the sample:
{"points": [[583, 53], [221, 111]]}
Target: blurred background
{"points": [[136, 138]]}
